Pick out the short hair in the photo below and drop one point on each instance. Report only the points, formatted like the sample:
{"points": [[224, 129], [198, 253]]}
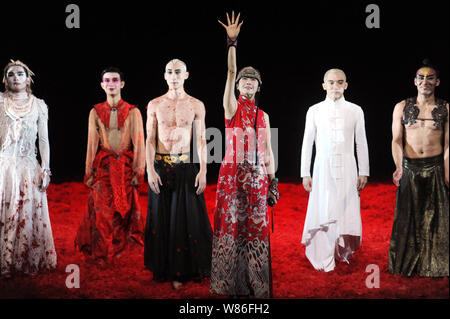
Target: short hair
{"points": [[112, 69], [334, 70], [178, 60], [426, 63]]}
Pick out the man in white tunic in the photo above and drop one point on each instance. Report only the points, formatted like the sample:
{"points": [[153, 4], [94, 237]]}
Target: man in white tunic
{"points": [[333, 221]]}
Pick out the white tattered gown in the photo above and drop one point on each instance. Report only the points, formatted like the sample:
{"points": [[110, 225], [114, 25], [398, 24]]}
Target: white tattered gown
{"points": [[333, 221], [26, 241]]}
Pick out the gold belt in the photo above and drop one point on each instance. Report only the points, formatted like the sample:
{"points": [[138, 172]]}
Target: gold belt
{"points": [[171, 159]]}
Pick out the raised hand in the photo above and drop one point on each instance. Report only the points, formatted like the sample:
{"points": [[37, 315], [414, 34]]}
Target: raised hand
{"points": [[233, 26]]}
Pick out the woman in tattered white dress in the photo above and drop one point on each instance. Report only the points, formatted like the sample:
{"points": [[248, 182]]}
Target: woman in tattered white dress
{"points": [[26, 240]]}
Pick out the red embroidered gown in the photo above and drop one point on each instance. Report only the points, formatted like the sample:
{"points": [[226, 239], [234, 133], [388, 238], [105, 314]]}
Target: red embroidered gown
{"points": [[241, 264], [114, 216]]}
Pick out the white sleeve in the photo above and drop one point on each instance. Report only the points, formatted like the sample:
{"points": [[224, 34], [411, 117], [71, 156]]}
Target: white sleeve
{"points": [[307, 145], [44, 145], [362, 150]]}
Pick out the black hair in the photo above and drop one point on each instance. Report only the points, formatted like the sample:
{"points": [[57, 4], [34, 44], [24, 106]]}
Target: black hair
{"points": [[426, 63], [112, 69]]}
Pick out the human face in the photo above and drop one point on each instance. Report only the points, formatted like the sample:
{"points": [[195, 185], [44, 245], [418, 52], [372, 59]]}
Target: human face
{"points": [[335, 84], [17, 79], [112, 84], [426, 81], [248, 87], [175, 75]]}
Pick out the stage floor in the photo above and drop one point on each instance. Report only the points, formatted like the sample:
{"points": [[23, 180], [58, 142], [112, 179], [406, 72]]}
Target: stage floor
{"points": [[293, 276]]}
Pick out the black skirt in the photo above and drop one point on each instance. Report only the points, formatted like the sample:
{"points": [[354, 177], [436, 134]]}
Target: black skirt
{"points": [[419, 241], [178, 233]]}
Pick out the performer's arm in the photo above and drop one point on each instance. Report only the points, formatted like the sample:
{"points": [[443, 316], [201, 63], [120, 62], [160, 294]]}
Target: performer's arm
{"points": [[269, 158], [397, 142], [362, 151], [137, 137], [44, 146], [446, 158], [229, 99], [92, 147], [200, 132], [152, 124], [270, 163], [307, 146]]}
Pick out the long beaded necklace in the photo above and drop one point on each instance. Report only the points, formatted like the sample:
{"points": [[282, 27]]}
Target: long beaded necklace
{"points": [[18, 109]]}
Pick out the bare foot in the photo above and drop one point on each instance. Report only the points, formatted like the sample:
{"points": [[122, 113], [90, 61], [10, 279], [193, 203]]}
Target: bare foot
{"points": [[176, 284]]}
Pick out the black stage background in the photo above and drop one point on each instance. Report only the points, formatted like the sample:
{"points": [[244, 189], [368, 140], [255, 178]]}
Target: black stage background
{"points": [[292, 46]]}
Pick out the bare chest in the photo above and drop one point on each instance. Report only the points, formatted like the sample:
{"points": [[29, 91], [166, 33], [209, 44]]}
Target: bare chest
{"points": [[176, 114]]}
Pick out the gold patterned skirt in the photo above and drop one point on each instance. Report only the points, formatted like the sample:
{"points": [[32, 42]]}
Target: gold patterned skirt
{"points": [[419, 240]]}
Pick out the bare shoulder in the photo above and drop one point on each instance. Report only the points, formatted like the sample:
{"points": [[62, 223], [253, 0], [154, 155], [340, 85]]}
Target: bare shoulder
{"points": [[400, 105], [152, 106], [195, 102]]}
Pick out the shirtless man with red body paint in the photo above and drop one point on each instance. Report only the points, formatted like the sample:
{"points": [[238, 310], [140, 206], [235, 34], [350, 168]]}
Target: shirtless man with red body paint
{"points": [[178, 232]]}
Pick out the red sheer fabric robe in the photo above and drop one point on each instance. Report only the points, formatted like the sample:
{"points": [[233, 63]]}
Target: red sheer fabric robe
{"points": [[241, 262], [114, 214]]}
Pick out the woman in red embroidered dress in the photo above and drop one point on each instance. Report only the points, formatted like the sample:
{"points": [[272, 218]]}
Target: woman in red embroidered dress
{"points": [[241, 264]]}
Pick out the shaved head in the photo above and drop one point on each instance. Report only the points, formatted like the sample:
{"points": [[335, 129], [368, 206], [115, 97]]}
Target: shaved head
{"points": [[177, 61], [325, 77]]}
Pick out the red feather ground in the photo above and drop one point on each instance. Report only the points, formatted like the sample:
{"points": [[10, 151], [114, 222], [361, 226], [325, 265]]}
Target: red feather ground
{"points": [[293, 276]]}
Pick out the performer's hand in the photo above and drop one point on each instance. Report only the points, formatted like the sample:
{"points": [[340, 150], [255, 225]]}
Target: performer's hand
{"points": [[362, 182], [44, 180], [135, 181], [90, 181], [397, 176], [233, 26], [307, 183], [271, 195], [200, 181], [154, 181]]}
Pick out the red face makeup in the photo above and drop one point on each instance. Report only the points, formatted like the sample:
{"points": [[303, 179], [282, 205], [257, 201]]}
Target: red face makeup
{"points": [[111, 83]]}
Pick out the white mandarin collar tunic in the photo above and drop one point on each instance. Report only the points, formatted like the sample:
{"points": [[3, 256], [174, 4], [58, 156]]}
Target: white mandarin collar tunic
{"points": [[335, 127]]}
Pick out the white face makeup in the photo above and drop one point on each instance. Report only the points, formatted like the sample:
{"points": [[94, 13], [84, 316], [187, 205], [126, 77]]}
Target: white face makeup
{"points": [[335, 84], [248, 86], [17, 79], [112, 83], [175, 74]]}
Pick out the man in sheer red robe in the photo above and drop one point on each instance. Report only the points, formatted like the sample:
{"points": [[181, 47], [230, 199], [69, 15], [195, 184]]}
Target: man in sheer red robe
{"points": [[115, 166]]}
